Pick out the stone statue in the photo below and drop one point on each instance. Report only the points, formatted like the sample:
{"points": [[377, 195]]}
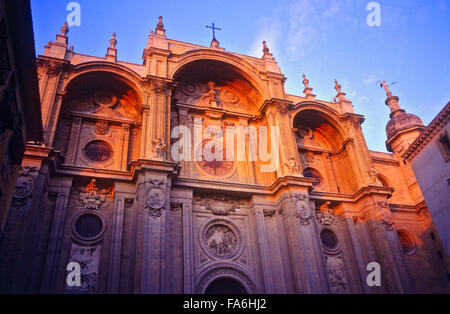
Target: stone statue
{"points": [[386, 88], [294, 167], [158, 149], [374, 177], [305, 81]]}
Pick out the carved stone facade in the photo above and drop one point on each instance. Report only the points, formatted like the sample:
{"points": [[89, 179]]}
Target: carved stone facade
{"points": [[162, 177]]}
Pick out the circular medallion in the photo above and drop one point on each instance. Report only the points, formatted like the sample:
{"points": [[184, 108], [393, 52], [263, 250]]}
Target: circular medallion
{"points": [[105, 99], [155, 198], [24, 187], [221, 241]]}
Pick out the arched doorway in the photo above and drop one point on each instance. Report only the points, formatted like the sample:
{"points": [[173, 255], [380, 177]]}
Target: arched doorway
{"points": [[225, 286]]}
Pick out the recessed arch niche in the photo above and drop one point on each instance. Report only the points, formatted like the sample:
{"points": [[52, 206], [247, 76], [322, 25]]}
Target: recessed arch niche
{"points": [[99, 106], [322, 147]]}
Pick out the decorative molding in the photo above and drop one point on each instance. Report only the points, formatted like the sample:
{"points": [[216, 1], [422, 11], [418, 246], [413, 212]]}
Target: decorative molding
{"points": [[221, 205]]}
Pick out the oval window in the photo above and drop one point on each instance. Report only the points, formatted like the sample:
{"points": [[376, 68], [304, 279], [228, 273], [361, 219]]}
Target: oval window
{"points": [[98, 151], [328, 239]]}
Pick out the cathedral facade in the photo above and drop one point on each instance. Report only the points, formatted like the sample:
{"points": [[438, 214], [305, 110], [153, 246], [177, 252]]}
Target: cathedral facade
{"points": [[195, 172]]}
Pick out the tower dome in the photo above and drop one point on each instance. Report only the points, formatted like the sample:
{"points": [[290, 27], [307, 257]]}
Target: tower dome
{"points": [[402, 121]]}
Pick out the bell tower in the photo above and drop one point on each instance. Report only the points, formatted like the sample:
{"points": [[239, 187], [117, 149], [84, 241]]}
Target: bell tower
{"points": [[403, 128]]}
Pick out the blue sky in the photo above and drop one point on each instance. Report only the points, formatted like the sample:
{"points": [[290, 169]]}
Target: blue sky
{"points": [[325, 39]]}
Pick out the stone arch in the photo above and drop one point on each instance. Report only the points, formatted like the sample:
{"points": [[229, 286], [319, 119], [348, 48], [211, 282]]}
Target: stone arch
{"points": [[329, 114], [407, 242], [244, 68], [128, 76], [384, 181], [223, 270]]}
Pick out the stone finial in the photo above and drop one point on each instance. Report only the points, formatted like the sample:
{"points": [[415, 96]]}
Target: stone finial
{"points": [[71, 48], [215, 43], [305, 81], [265, 48], [266, 51], [340, 97], [337, 86], [308, 90], [111, 53], [160, 25], [113, 41], [386, 88], [65, 29], [391, 100]]}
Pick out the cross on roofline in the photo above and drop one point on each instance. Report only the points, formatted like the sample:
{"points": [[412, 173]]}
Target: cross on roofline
{"points": [[214, 28]]}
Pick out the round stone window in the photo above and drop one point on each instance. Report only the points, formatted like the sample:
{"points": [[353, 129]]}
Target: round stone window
{"points": [[211, 166], [98, 151], [328, 239], [88, 226]]}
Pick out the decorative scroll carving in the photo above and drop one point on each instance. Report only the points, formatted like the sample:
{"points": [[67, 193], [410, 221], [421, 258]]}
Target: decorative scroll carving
{"points": [[221, 205], [102, 127], [161, 88], [92, 196], [326, 214], [269, 213], [53, 69]]}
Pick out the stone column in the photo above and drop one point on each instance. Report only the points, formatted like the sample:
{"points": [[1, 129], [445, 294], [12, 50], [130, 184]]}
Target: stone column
{"points": [[358, 252], [188, 254], [72, 147], [306, 256], [56, 236], [116, 244], [264, 250], [380, 221], [277, 115], [125, 144], [156, 196]]}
